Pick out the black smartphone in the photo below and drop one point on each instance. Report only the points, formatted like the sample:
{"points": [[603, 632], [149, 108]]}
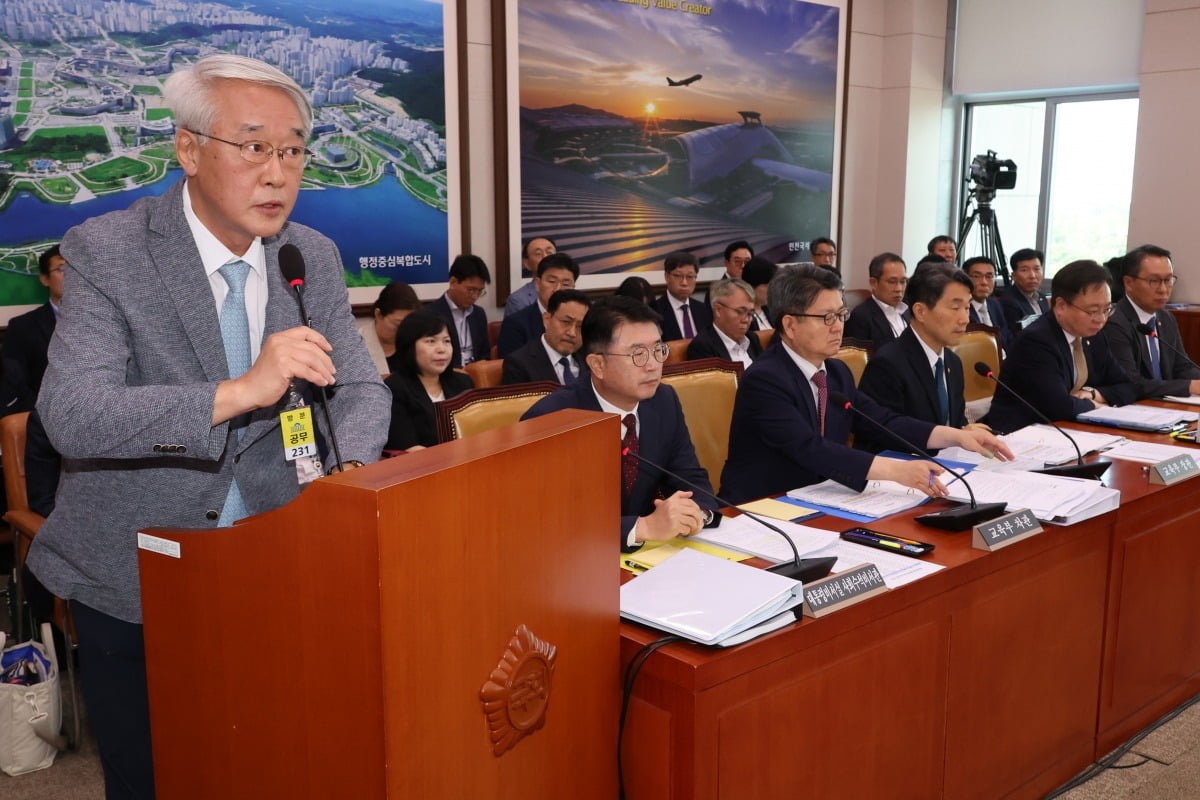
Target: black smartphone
{"points": [[884, 541]]}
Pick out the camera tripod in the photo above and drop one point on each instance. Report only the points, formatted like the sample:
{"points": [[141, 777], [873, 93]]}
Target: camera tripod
{"points": [[989, 230]]}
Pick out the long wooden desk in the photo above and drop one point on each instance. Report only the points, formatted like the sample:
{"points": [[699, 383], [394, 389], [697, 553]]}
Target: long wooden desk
{"points": [[1002, 675]]}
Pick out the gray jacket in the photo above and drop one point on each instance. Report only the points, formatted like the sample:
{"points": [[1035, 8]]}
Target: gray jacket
{"points": [[128, 396]]}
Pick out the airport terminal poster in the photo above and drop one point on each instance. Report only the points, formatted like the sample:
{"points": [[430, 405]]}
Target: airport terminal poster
{"points": [[646, 126], [84, 129]]}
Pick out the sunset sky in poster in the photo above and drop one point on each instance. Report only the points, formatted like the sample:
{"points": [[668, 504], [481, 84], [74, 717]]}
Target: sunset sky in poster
{"points": [[777, 57]]}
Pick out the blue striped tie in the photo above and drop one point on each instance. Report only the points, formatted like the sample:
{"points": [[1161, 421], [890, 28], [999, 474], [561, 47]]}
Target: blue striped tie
{"points": [[235, 333]]}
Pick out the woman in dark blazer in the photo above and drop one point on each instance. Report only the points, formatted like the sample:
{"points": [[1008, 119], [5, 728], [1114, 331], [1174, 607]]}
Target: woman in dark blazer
{"points": [[422, 377]]}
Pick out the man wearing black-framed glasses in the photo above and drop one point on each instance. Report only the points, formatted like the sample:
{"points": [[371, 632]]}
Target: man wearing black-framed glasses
{"points": [[1143, 335], [625, 352], [787, 433], [1060, 364]]}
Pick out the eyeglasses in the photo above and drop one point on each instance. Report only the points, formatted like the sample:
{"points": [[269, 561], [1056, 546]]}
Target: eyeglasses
{"points": [[471, 290], [829, 317], [1096, 313], [558, 283], [256, 152], [640, 355], [682, 277], [741, 312], [1158, 283]]}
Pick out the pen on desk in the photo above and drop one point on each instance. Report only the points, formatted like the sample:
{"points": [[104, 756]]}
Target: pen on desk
{"points": [[633, 565]]}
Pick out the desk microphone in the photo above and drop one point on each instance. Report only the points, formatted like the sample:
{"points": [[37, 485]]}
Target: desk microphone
{"points": [[805, 570], [1146, 330], [959, 517], [1076, 470], [291, 264]]}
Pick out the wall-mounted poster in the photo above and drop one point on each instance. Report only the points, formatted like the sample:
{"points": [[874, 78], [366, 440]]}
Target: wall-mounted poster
{"points": [[638, 127], [84, 129]]}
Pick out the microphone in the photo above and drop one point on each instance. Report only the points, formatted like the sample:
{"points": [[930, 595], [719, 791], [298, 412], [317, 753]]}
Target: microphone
{"points": [[1076, 470], [1146, 330], [959, 517], [800, 569], [291, 264]]}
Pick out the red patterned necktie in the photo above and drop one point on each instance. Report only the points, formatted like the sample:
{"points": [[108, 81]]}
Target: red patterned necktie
{"points": [[629, 463], [822, 397]]}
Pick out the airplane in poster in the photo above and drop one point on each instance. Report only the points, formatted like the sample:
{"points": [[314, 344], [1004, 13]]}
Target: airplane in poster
{"points": [[685, 81]]}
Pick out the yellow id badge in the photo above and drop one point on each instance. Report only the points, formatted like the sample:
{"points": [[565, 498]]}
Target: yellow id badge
{"points": [[299, 440]]}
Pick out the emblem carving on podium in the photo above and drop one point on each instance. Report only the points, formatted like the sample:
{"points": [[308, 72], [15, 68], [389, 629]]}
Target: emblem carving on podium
{"points": [[516, 695]]}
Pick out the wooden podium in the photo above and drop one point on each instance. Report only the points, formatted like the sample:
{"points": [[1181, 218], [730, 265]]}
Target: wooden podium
{"points": [[442, 624]]}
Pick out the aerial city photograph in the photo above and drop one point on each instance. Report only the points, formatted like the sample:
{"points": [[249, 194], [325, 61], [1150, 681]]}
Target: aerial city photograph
{"points": [[84, 130]]}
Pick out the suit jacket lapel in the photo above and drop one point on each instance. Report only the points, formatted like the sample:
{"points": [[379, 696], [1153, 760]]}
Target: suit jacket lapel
{"points": [[919, 364], [178, 263]]}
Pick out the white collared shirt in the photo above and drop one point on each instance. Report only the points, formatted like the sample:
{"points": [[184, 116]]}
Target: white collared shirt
{"points": [[894, 314], [981, 311], [609, 408], [808, 368], [214, 255], [556, 361], [678, 306], [738, 351], [462, 329], [1071, 348]]}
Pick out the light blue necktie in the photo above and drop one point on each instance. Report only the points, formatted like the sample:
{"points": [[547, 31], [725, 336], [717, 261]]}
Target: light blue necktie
{"points": [[235, 333], [939, 377]]}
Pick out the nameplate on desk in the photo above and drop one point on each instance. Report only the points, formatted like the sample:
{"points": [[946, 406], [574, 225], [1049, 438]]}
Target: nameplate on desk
{"points": [[1174, 470], [1003, 531], [841, 590]]}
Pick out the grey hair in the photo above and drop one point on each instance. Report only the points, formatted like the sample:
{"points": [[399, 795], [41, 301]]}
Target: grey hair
{"points": [[793, 290], [724, 288], [190, 93]]}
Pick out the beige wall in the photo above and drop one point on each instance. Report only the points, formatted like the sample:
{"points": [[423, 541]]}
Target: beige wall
{"points": [[1165, 208]]}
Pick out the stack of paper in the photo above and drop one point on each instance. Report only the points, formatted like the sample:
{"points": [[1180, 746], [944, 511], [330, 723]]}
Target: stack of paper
{"points": [[1037, 446], [1150, 453], [743, 533], [1051, 498], [707, 599], [1137, 417], [878, 499]]}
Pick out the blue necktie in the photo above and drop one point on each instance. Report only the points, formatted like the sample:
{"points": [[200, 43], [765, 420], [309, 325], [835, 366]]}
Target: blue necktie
{"points": [[235, 333], [1155, 358], [939, 377], [568, 376]]}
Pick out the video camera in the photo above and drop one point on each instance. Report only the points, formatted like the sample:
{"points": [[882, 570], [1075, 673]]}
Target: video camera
{"points": [[990, 173]]}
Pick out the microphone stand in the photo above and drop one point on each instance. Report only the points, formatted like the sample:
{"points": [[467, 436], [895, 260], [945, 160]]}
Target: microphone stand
{"points": [[804, 570], [958, 518], [1077, 470]]}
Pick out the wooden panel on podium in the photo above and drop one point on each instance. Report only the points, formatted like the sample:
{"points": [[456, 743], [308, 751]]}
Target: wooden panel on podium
{"points": [[337, 647]]}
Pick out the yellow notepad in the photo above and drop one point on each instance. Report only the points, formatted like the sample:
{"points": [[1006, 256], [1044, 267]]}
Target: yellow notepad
{"points": [[778, 509]]}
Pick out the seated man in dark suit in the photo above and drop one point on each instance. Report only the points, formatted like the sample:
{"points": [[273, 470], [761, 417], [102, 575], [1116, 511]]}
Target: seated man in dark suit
{"points": [[824, 253], [555, 271], [1059, 364], [28, 338], [1024, 299], [625, 352], [943, 247], [683, 316], [758, 273], [551, 356], [729, 336], [786, 433], [985, 309], [1154, 360], [918, 375], [533, 250], [880, 318], [467, 321]]}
